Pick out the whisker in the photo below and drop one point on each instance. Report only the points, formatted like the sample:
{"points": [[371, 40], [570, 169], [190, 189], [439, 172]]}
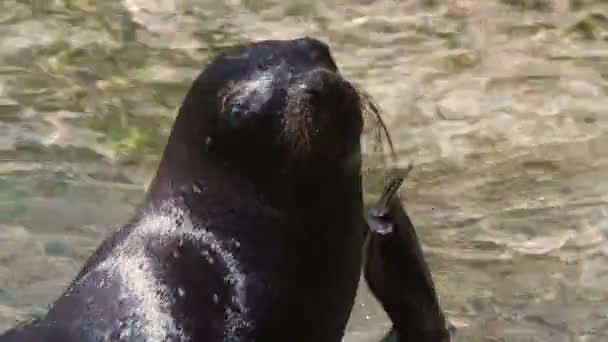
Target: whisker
{"points": [[370, 108]]}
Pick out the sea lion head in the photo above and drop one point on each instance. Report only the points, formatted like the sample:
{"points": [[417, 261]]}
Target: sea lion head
{"points": [[269, 109], [285, 99]]}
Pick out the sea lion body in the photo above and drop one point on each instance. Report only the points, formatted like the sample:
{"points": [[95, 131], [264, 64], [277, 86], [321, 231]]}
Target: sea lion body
{"points": [[251, 229]]}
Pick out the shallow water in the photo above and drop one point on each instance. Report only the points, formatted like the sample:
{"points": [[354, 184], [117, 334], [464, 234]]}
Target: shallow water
{"points": [[501, 105]]}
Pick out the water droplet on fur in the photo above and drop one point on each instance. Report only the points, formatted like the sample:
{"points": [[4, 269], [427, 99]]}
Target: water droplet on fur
{"points": [[216, 298], [175, 254], [181, 292], [208, 141]]}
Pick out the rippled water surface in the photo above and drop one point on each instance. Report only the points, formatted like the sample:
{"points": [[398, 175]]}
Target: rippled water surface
{"points": [[501, 105]]}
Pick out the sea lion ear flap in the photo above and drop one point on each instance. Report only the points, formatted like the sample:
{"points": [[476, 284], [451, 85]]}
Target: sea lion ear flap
{"points": [[398, 275]]}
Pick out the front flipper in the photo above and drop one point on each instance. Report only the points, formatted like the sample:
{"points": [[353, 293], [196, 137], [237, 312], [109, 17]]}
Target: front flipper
{"points": [[398, 275]]}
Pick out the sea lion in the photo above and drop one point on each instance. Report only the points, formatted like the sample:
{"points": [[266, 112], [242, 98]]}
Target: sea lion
{"points": [[252, 228], [398, 275]]}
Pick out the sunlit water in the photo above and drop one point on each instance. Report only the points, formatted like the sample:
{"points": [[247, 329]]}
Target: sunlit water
{"points": [[501, 105]]}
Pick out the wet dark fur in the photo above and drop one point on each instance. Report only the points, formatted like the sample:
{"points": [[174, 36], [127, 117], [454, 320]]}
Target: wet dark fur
{"points": [[398, 275], [252, 227]]}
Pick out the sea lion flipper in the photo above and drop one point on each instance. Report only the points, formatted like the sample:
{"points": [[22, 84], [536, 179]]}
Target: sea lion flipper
{"points": [[379, 219], [398, 275]]}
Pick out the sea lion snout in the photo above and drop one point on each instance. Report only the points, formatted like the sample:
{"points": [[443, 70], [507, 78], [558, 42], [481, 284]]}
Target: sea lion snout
{"points": [[323, 113], [326, 91], [317, 83]]}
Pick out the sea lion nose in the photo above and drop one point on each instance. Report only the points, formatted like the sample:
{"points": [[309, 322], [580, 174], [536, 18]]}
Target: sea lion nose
{"points": [[325, 91], [318, 83]]}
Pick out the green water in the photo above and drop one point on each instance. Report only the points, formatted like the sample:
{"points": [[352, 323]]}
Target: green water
{"points": [[502, 105]]}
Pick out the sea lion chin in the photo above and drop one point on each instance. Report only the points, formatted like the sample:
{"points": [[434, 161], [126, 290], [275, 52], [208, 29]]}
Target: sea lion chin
{"points": [[251, 229]]}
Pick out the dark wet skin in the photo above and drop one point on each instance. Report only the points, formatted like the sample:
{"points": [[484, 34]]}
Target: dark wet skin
{"points": [[398, 275], [251, 229]]}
